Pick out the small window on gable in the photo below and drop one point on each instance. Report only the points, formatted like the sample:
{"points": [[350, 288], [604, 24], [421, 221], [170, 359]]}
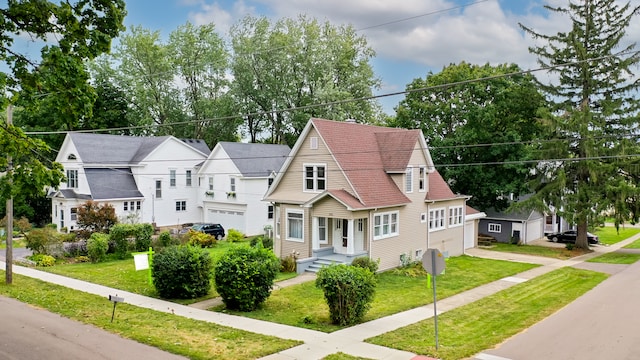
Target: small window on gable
{"points": [[313, 142], [71, 157]]}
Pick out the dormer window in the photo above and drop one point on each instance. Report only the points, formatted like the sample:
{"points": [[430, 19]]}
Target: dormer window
{"points": [[72, 179], [71, 157]]}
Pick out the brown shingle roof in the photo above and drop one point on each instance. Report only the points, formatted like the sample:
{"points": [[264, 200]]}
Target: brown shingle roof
{"points": [[438, 188], [365, 153]]}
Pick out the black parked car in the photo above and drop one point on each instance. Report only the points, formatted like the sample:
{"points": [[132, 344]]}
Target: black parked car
{"points": [[569, 236], [212, 229]]}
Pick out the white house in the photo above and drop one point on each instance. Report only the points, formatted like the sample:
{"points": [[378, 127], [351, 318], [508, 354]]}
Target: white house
{"points": [[233, 180], [146, 179]]}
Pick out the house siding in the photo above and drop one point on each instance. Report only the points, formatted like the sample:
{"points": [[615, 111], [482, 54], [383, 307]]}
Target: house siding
{"points": [[290, 188], [503, 236], [449, 240]]}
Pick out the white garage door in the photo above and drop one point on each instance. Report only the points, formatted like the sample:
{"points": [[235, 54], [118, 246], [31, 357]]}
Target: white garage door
{"points": [[469, 235], [535, 230], [228, 219]]}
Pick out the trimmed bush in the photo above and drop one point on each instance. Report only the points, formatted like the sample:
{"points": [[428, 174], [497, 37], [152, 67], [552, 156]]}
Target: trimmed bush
{"points": [[348, 290], [182, 272], [244, 276], [122, 233], [165, 239], [143, 233], [234, 235], [197, 238], [97, 247], [43, 241], [43, 260], [288, 264], [365, 263], [267, 242]]}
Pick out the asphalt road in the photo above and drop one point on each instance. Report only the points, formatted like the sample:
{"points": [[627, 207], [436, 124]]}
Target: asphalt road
{"points": [[27, 333], [602, 324]]}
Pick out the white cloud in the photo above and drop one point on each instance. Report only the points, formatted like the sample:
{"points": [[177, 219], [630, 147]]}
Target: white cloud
{"points": [[221, 17]]}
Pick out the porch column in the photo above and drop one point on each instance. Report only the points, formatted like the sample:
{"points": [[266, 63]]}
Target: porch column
{"points": [[351, 239], [315, 240]]}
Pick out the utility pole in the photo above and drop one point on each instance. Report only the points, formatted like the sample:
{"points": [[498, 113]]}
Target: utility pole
{"points": [[9, 254]]}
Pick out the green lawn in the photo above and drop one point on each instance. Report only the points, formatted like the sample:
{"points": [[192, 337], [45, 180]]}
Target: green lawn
{"points": [[17, 243], [343, 356], [560, 253], [303, 305], [121, 274], [486, 323], [616, 258], [608, 234], [191, 338], [633, 245]]}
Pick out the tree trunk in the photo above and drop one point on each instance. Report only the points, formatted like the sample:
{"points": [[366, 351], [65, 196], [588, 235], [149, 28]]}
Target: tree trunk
{"points": [[581, 236]]}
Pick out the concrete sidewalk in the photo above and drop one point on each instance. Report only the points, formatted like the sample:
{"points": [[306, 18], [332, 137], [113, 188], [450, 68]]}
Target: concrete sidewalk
{"points": [[350, 340]]}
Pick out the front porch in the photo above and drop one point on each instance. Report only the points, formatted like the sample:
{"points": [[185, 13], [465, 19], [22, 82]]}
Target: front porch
{"points": [[325, 257]]}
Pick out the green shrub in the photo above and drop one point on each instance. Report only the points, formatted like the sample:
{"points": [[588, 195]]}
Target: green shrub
{"points": [[244, 276], [348, 290], [365, 263], [197, 238], [288, 264], [43, 241], [43, 260], [234, 235], [267, 242], [82, 259], [143, 233], [165, 239], [182, 272], [570, 246], [97, 246]]}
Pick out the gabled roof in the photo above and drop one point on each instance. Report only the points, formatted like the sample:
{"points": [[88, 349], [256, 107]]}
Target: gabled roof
{"points": [[117, 149], [112, 183], [514, 215], [256, 160]]}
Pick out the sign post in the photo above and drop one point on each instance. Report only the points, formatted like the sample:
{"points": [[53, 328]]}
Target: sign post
{"points": [[433, 263]]}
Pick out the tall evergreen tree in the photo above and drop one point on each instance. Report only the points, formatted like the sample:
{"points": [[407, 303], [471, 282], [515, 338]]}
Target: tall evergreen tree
{"points": [[593, 110]]}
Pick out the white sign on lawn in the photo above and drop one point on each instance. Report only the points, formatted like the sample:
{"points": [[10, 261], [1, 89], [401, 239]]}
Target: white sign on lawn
{"points": [[141, 261]]}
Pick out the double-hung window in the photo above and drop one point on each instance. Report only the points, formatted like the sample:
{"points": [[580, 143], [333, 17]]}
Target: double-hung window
{"points": [[408, 178], [158, 189], [181, 205], [322, 230], [385, 225], [72, 179], [188, 175], [436, 219], [455, 215], [172, 178], [495, 228], [315, 177], [210, 183], [422, 180], [295, 225]]}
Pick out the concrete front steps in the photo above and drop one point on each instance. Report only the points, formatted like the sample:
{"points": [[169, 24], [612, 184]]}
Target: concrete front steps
{"points": [[318, 264]]}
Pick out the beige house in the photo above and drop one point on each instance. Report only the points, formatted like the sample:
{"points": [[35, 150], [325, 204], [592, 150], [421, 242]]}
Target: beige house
{"points": [[350, 190]]}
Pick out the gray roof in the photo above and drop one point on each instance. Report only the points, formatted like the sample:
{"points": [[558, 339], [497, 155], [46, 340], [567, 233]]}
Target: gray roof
{"points": [[114, 183], [71, 194], [256, 160], [120, 149]]}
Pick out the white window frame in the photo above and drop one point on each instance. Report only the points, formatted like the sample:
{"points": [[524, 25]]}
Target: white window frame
{"points": [[314, 177], [181, 205], [270, 212], [232, 184], [313, 143], [422, 179], [494, 228], [423, 218], [455, 216], [158, 189], [72, 178], [210, 183], [188, 180], [278, 220], [289, 220], [126, 206], [323, 224], [74, 214], [408, 179], [386, 225], [172, 178], [436, 219]]}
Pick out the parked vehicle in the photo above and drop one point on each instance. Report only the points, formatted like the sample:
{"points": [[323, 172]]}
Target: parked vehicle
{"points": [[569, 236], [212, 229]]}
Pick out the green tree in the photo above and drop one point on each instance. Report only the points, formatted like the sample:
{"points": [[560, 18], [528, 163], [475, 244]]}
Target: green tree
{"points": [[294, 63], [95, 217], [488, 122], [593, 112]]}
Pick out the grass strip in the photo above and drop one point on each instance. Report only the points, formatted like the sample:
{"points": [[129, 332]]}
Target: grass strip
{"points": [[560, 253], [179, 335], [616, 258], [303, 305], [469, 329], [609, 236]]}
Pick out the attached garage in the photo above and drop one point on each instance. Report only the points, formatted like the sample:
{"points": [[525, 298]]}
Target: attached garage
{"points": [[229, 219], [535, 229]]}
